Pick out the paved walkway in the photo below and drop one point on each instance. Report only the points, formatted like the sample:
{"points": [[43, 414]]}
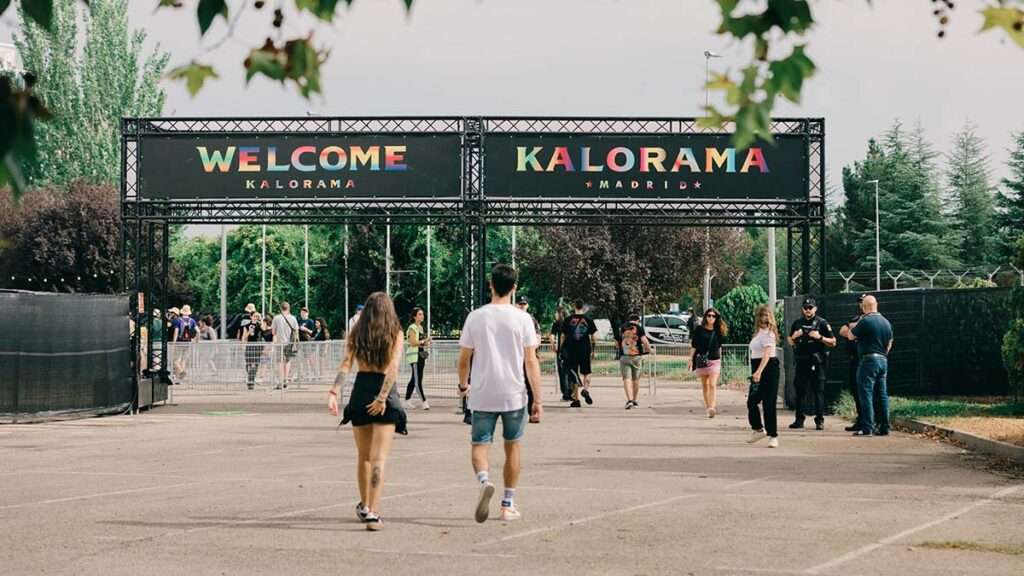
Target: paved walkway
{"points": [[225, 487]]}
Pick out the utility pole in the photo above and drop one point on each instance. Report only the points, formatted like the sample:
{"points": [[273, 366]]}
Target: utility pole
{"points": [[263, 277], [429, 233], [305, 283], [223, 282]]}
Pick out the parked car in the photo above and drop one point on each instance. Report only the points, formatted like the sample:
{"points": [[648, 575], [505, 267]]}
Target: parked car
{"points": [[667, 328]]}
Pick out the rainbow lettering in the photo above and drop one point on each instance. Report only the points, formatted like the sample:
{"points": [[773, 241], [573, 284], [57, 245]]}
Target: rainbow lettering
{"points": [[623, 159], [303, 159]]}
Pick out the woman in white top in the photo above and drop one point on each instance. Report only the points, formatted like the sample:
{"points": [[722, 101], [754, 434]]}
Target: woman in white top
{"points": [[764, 387]]}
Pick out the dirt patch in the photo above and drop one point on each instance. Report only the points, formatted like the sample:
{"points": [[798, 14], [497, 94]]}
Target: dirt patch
{"points": [[1005, 429]]}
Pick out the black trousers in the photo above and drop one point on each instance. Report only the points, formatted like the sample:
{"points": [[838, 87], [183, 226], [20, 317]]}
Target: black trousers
{"points": [[810, 374], [416, 380], [766, 395], [564, 381], [855, 389]]}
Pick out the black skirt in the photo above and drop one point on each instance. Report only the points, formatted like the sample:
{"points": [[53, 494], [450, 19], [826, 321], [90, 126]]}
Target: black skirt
{"points": [[365, 389]]}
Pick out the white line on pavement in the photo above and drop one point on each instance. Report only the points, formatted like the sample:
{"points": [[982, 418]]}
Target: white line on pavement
{"points": [[445, 554], [604, 515], [89, 496], [899, 536]]}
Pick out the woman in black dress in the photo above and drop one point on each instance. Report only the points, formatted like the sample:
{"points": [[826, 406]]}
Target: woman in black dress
{"points": [[374, 409]]}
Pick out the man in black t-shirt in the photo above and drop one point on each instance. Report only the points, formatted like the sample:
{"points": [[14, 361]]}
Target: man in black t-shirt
{"points": [[851, 370], [809, 336], [577, 339]]}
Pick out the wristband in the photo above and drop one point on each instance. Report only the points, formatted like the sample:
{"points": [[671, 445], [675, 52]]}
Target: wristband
{"points": [[332, 392], [463, 388]]}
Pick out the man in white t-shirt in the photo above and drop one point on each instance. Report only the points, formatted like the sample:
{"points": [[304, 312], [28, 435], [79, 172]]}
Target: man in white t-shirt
{"points": [[497, 341], [286, 336], [355, 318]]}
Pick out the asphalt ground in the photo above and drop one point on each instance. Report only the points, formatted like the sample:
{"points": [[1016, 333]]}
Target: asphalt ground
{"points": [[264, 485]]}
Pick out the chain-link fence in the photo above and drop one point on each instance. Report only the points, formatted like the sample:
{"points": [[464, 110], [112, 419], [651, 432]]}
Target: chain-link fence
{"points": [[230, 367]]}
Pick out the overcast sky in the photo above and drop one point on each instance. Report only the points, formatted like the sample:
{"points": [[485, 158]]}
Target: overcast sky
{"points": [[607, 58]]}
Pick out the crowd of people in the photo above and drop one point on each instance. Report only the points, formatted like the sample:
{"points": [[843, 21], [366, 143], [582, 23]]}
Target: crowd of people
{"points": [[499, 377]]}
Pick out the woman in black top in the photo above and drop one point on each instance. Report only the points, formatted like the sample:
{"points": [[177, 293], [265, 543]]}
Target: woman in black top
{"points": [[320, 334], [251, 335], [706, 354], [374, 409]]}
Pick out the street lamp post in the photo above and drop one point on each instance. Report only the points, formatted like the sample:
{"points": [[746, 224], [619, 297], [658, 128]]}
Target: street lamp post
{"points": [[878, 251], [708, 55]]}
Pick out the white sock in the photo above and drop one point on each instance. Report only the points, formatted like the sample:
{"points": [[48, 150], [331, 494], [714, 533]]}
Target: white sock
{"points": [[483, 477]]}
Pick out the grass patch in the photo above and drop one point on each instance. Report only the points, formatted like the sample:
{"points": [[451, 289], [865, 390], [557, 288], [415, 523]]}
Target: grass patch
{"points": [[914, 408], [973, 546]]}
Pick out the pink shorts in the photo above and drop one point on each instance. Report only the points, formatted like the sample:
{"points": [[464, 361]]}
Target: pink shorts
{"points": [[714, 367]]}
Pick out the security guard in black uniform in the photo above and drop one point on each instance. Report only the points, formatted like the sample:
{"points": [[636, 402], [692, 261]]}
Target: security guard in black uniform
{"points": [[809, 336]]}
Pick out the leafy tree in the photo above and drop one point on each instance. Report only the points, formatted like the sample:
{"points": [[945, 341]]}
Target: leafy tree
{"points": [[750, 97], [972, 198], [623, 270], [1011, 199], [737, 308], [62, 239], [89, 85]]}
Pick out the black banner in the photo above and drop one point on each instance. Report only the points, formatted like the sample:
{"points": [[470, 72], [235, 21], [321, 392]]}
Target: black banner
{"points": [[677, 166], [304, 166]]}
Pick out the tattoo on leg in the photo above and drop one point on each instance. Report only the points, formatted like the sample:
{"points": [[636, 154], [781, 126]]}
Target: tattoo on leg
{"points": [[375, 477]]}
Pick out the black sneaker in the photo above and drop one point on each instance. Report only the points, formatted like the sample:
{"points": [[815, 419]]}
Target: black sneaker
{"points": [[635, 405], [852, 428], [819, 424], [862, 433], [882, 433], [586, 396], [629, 404], [797, 425], [362, 512], [575, 404]]}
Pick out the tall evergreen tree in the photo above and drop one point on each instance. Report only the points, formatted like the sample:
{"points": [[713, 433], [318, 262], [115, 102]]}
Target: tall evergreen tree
{"points": [[972, 199], [914, 231], [1011, 200], [89, 85]]}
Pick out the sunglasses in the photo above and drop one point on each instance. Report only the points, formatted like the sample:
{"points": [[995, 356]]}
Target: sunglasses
{"points": [[809, 307], [712, 315]]}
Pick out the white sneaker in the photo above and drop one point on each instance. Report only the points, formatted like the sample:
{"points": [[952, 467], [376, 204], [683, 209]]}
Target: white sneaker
{"points": [[756, 435], [773, 442], [510, 513], [426, 405], [483, 502], [409, 405], [711, 412]]}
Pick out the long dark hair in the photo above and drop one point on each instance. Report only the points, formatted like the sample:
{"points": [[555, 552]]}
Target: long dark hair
{"points": [[412, 315], [323, 328], [720, 326], [372, 339]]}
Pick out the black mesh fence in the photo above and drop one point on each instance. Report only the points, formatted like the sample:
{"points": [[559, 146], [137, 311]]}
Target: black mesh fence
{"points": [[62, 354], [945, 342]]}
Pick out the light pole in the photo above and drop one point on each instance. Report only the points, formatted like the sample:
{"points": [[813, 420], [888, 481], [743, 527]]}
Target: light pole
{"points": [[305, 267], [878, 251], [708, 55], [263, 274]]}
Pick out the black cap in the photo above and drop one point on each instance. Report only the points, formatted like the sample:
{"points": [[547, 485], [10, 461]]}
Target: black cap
{"points": [[810, 302], [521, 299], [861, 297]]}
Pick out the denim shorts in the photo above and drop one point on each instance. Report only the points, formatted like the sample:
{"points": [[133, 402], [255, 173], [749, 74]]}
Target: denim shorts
{"points": [[513, 425]]}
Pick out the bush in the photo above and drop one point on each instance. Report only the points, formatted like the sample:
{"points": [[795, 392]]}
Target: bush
{"points": [[976, 283], [737, 308], [1013, 341]]}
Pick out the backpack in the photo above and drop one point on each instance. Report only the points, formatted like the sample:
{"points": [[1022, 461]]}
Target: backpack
{"points": [[188, 330]]}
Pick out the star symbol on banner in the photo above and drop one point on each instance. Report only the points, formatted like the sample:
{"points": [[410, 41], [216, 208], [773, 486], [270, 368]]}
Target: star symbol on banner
{"points": [[696, 185], [590, 184]]}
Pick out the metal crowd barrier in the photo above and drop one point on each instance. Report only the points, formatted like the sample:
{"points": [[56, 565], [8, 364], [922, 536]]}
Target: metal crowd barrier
{"points": [[220, 367]]}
